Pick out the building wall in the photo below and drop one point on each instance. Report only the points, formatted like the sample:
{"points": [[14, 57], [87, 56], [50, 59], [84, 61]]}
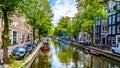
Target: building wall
{"points": [[18, 30], [84, 36]]}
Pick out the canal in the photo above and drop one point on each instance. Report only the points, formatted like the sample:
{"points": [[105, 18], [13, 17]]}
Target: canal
{"points": [[69, 56]]}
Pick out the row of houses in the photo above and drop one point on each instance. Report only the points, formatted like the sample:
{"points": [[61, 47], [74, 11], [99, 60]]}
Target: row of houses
{"points": [[106, 32], [20, 32]]}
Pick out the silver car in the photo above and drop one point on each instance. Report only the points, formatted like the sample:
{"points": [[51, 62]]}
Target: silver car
{"points": [[116, 49]]}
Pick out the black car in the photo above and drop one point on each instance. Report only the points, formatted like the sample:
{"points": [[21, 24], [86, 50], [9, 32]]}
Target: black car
{"points": [[34, 46], [20, 52], [28, 48]]}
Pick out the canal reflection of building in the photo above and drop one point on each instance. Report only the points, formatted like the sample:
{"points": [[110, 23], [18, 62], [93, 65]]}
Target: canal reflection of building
{"points": [[101, 62]]}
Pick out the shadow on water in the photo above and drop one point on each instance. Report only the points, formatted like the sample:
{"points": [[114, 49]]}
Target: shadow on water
{"points": [[65, 56]]}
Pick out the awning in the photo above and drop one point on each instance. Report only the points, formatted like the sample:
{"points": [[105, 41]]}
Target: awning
{"points": [[105, 35]]}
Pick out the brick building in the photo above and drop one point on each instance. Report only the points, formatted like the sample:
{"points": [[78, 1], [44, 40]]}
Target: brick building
{"points": [[19, 30]]}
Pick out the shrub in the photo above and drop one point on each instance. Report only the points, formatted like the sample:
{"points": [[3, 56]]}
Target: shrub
{"points": [[12, 59]]}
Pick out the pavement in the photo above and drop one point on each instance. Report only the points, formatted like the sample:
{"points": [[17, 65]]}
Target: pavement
{"points": [[10, 49]]}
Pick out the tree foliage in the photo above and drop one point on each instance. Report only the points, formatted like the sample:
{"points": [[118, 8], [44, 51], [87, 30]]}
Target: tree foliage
{"points": [[93, 9], [39, 15], [64, 25], [87, 27], [77, 23]]}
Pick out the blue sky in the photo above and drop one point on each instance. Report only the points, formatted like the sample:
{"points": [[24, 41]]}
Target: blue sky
{"points": [[62, 8]]}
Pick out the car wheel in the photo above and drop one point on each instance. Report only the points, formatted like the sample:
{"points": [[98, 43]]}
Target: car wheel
{"points": [[113, 51]]}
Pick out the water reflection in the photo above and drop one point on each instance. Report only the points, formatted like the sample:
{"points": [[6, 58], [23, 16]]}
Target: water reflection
{"points": [[42, 61], [66, 56]]}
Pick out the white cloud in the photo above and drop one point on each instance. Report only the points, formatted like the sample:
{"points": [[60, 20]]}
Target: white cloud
{"points": [[63, 8]]}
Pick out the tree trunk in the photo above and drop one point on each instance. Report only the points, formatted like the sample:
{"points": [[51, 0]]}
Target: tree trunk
{"points": [[92, 34], [33, 34], [5, 36], [92, 39], [39, 34]]}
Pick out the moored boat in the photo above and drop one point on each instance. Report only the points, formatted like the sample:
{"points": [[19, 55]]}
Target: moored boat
{"points": [[93, 52], [45, 48]]}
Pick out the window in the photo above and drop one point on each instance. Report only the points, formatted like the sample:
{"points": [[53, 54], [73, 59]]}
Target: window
{"points": [[113, 30], [109, 29], [113, 19], [118, 17], [110, 20], [118, 28], [102, 28], [97, 21], [118, 39], [106, 28], [97, 30], [118, 6], [113, 40]]}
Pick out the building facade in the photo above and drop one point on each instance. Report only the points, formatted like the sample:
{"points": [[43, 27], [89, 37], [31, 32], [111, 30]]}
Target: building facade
{"points": [[107, 32], [20, 32]]}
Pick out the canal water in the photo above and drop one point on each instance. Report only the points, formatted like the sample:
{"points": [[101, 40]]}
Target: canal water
{"points": [[69, 56]]}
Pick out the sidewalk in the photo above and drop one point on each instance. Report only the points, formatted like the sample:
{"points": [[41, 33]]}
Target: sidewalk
{"points": [[10, 48]]}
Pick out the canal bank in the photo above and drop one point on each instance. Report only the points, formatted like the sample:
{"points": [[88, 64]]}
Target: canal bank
{"points": [[31, 57], [104, 53]]}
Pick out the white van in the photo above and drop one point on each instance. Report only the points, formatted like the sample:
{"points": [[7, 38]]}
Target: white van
{"points": [[116, 49]]}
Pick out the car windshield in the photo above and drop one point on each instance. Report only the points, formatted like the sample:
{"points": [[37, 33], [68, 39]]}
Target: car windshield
{"points": [[20, 50], [25, 46], [29, 45]]}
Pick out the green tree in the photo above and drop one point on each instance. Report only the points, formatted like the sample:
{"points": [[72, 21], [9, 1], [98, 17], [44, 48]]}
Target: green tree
{"points": [[8, 7], [30, 13], [39, 16], [77, 23], [64, 25]]}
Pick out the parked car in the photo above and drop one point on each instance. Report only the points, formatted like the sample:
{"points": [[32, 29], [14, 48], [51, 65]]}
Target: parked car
{"points": [[34, 45], [36, 41], [28, 48], [73, 39], [20, 52], [116, 49], [84, 42]]}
